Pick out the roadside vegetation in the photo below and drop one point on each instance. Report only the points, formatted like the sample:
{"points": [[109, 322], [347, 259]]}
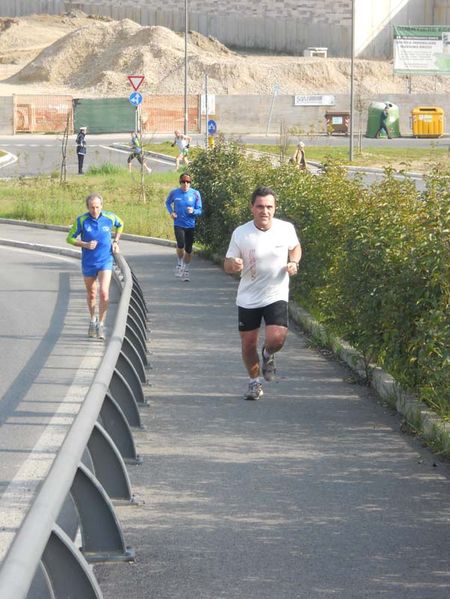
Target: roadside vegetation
{"points": [[376, 265]]}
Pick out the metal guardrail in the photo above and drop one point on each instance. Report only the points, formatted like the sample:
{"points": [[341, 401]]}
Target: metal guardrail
{"points": [[89, 470]]}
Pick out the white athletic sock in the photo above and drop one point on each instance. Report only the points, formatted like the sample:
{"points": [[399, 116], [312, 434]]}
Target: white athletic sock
{"points": [[266, 354], [254, 380]]}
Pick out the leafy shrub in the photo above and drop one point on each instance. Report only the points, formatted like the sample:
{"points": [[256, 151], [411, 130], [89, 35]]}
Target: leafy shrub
{"points": [[376, 260]]}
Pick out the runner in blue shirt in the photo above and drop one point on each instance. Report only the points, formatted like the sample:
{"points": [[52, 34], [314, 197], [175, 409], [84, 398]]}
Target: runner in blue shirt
{"points": [[184, 205], [95, 229]]}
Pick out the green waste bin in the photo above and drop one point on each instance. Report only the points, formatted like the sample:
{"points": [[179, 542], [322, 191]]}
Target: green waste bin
{"points": [[374, 113]]}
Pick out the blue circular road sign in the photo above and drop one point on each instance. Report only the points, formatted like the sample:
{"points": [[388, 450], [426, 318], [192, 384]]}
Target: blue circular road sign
{"points": [[135, 98], [212, 127]]}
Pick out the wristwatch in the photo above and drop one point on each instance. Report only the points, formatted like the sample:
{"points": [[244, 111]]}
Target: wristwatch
{"points": [[294, 262]]}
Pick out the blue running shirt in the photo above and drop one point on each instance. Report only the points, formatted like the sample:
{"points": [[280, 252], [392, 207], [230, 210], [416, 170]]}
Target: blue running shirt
{"points": [[178, 200], [100, 230]]}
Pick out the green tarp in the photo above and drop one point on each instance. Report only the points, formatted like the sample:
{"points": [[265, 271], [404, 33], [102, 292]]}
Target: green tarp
{"points": [[104, 115]]}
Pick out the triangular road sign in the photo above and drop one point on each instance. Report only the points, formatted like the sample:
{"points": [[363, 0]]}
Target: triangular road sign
{"points": [[136, 81]]}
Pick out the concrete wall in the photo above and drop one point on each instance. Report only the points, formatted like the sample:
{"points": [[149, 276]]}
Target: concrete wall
{"points": [[275, 25], [231, 119], [238, 115]]}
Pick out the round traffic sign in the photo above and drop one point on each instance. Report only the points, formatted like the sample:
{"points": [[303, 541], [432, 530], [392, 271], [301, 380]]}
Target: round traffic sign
{"points": [[135, 98], [212, 127]]}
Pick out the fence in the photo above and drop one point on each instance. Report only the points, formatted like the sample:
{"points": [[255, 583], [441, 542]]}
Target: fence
{"points": [[88, 471], [41, 114]]}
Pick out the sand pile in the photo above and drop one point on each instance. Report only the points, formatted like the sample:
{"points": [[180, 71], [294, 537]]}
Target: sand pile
{"points": [[87, 56]]}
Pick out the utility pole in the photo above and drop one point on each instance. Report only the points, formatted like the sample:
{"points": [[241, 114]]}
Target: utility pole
{"points": [[185, 66], [352, 80]]}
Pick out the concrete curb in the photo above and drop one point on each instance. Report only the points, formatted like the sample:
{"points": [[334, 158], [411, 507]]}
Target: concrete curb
{"points": [[425, 423]]}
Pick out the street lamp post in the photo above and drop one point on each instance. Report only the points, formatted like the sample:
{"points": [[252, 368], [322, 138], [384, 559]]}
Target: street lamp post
{"points": [[185, 66], [352, 78]]}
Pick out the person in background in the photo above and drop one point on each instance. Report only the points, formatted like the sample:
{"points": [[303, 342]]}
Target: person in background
{"points": [[182, 142], [136, 152], [184, 204], [299, 158], [266, 251], [81, 148], [384, 117], [95, 229]]}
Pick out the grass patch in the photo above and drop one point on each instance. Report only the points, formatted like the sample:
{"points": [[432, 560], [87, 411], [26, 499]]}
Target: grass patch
{"points": [[44, 200], [417, 159]]}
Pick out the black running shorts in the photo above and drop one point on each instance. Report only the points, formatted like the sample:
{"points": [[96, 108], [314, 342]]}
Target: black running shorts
{"points": [[273, 314]]}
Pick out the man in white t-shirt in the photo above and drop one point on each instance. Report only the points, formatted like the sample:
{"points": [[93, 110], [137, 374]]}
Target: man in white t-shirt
{"points": [[266, 251]]}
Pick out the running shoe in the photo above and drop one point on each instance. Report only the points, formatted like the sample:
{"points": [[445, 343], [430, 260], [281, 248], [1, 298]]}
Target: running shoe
{"points": [[186, 275], [254, 391], [100, 331], [179, 270], [268, 367], [92, 331]]}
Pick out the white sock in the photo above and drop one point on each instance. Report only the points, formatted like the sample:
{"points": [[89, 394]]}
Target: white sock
{"points": [[254, 380], [266, 354], [93, 319]]}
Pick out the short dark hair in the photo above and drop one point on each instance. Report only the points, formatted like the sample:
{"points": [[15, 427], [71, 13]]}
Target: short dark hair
{"points": [[93, 196], [263, 191], [185, 175]]}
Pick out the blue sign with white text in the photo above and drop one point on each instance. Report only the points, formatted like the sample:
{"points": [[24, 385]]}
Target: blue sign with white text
{"points": [[135, 98]]}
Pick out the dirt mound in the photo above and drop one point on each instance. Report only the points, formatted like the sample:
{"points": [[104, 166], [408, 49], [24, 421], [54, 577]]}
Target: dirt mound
{"points": [[88, 56]]}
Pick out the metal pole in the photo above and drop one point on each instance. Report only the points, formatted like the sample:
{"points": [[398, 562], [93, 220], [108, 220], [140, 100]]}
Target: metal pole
{"points": [[352, 77], [206, 110], [185, 66]]}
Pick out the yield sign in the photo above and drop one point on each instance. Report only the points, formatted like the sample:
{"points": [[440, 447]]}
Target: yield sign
{"points": [[135, 81]]}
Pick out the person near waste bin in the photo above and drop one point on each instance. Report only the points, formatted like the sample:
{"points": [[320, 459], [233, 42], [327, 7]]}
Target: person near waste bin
{"points": [[96, 229], [81, 148], [184, 205], [266, 252], [383, 122]]}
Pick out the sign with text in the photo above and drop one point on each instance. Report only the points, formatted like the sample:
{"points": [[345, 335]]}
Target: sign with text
{"points": [[314, 100], [422, 50], [211, 104]]}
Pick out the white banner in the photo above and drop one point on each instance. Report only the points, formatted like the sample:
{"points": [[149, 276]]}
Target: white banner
{"points": [[211, 104], [314, 100]]}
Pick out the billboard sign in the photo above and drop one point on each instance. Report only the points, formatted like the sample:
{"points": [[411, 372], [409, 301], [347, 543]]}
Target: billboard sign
{"points": [[422, 50]]}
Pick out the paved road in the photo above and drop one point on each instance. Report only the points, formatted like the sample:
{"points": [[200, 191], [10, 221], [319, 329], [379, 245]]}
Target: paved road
{"points": [[46, 368], [41, 154], [312, 492]]}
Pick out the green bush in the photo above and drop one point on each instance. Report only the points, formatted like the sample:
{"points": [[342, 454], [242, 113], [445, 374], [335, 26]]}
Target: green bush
{"points": [[376, 260]]}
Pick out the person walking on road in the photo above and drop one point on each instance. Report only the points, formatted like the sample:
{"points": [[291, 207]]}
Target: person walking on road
{"points": [[266, 251], [182, 142], [81, 148], [184, 204], [95, 229], [136, 152]]}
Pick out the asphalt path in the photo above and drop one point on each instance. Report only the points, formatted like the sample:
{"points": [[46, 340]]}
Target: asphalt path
{"points": [[46, 368]]}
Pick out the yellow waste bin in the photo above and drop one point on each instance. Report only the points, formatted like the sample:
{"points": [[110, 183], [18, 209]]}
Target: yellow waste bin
{"points": [[427, 121]]}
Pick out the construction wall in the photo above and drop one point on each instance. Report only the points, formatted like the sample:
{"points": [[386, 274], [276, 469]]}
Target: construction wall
{"points": [[234, 115], [280, 26]]}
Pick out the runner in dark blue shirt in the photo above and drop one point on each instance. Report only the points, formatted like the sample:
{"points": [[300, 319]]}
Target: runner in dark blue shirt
{"points": [[95, 229]]}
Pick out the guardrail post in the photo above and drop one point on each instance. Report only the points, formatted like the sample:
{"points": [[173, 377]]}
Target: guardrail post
{"points": [[137, 305], [100, 529], [122, 393], [66, 569], [137, 343], [114, 421], [133, 323], [136, 314], [133, 355], [109, 468], [126, 369]]}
